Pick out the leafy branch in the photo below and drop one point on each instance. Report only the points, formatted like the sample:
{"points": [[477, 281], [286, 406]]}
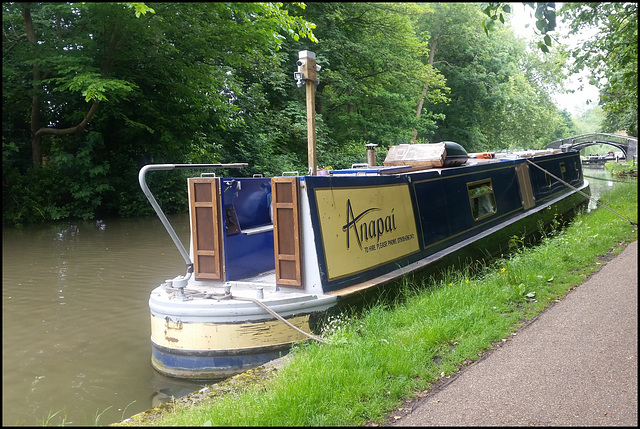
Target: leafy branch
{"points": [[545, 14]]}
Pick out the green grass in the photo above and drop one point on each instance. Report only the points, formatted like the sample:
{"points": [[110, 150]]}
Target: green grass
{"points": [[390, 351], [62, 418], [630, 168], [48, 420]]}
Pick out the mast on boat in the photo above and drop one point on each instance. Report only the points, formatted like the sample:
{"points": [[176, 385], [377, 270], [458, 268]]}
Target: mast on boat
{"points": [[308, 72]]}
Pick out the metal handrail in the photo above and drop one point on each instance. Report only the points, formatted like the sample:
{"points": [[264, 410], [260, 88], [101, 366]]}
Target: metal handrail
{"points": [[167, 225]]}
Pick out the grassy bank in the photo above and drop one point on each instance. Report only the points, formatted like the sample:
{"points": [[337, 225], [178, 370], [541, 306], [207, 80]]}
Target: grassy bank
{"points": [[629, 168], [375, 359]]}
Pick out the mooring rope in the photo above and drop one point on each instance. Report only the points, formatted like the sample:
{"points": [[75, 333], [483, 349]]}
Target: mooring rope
{"points": [[220, 296], [280, 318], [582, 193]]}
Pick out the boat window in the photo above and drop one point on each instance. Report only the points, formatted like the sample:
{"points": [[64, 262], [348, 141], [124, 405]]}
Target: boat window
{"points": [[481, 198], [548, 179], [563, 171]]}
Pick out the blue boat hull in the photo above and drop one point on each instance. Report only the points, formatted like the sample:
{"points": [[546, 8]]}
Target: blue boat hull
{"points": [[213, 364]]}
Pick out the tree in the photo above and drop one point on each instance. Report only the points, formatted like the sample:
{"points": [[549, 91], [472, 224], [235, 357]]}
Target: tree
{"points": [[611, 53], [373, 72], [166, 84], [499, 91], [589, 121], [59, 63], [212, 82]]}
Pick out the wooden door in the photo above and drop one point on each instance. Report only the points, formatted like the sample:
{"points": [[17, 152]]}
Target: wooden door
{"points": [[204, 200], [286, 231]]}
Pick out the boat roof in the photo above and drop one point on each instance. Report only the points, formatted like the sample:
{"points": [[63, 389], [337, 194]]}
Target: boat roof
{"points": [[495, 157]]}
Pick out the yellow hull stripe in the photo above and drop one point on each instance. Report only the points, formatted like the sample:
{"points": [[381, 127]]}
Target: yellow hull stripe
{"points": [[215, 336]]}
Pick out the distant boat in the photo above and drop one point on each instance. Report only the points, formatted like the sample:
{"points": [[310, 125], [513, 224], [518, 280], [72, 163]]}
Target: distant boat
{"points": [[596, 159], [267, 255]]}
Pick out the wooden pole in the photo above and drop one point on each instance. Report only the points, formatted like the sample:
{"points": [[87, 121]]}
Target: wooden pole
{"points": [[311, 126], [308, 71]]}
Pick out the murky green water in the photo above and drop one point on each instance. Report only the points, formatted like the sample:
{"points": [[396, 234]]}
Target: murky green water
{"points": [[75, 320], [600, 181]]}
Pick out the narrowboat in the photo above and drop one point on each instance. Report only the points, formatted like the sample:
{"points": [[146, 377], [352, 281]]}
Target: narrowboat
{"points": [[266, 255]]}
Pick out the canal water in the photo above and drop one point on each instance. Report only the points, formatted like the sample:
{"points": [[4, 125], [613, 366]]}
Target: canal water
{"points": [[600, 181], [75, 318]]}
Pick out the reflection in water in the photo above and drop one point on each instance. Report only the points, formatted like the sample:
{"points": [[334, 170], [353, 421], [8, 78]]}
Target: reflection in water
{"points": [[75, 320], [600, 181]]}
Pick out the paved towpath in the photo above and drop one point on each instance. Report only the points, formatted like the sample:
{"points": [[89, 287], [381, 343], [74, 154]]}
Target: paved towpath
{"points": [[576, 365]]}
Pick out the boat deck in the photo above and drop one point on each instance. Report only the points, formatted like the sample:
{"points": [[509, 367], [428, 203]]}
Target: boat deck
{"points": [[266, 280]]}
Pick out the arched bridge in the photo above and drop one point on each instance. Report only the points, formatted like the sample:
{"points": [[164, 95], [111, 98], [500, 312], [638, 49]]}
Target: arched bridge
{"points": [[628, 145]]}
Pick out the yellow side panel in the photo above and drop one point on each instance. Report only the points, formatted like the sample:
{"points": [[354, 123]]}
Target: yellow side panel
{"points": [[365, 227], [216, 336]]}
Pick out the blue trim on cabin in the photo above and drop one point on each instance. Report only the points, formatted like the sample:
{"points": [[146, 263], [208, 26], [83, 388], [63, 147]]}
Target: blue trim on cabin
{"points": [[441, 203], [444, 203], [573, 171]]}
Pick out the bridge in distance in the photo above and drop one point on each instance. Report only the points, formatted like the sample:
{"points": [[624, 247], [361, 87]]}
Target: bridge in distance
{"points": [[628, 145]]}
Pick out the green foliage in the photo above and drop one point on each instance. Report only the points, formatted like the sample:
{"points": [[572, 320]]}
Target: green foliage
{"points": [[611, 54], [46, 421], [140, 9], [212, 82], [82, 178], [499, 90], [590, 121], [545, 14], [70, 185], [622, 170], [373, 73], [170, 82], [89, 84]]}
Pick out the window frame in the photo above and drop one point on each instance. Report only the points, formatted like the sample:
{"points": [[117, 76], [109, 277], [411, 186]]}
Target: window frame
{"points": [[488, 195]]}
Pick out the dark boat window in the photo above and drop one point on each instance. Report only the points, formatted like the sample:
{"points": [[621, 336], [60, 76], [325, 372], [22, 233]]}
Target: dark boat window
{"points": [[548, 179], [563, 171], [481, 198]]}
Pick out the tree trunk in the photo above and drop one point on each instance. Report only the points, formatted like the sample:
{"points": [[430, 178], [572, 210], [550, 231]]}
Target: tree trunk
{"points": [[71, 130], [36, 131], [432, 53], [36, 141]]}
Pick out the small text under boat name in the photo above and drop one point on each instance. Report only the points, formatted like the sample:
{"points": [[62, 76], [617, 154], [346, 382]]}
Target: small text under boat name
{"points": [[386, 243]]}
